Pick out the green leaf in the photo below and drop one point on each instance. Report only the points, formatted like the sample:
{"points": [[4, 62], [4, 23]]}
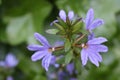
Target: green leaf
{"points": [[68, 57], [21, 28], [17, 29], [67, 45], [64, 25], [52, 31], [59, 26], [77, 26]]}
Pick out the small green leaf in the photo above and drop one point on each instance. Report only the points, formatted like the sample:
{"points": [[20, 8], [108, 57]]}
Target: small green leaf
{"points": [[62, 23], [52, 31], [76, 27], [58, 26], [68, 57], [67, 45]]}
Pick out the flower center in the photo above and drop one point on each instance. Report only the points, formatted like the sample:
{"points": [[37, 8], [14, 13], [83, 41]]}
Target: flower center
{"points": [[84, 45], [51, 49]]}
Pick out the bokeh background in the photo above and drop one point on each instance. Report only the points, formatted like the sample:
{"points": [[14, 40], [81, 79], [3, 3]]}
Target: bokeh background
{"points": [[19, 19]]}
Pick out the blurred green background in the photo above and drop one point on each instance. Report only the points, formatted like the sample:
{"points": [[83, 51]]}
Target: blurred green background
{"points": [[19, 19]]}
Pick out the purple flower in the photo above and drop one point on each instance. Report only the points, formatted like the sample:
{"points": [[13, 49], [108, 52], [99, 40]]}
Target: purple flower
{"points": [[61, 75], [10, 61], [43, 52], [73, 78], [90, 24], [70, 68], [63, 15], [9, 78], [91, 51]]}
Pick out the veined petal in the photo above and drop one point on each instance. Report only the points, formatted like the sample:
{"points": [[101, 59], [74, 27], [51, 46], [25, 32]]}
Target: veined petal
{"points": [[38, 55], [89, 18], [93, 59], [35, 47], [42, 39], [70, 15], [84, 56], [98, 40], [99, 57], [102, 48], [62, 15], [96, 23], [46, 61]]}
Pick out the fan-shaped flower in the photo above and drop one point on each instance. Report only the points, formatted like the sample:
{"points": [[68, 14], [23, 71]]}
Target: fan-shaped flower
{"points": [[91, 50], [43, 52], [90, 22]]}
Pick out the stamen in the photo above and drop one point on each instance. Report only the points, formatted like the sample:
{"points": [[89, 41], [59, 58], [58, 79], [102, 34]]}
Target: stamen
{"points": [[53, 49], [84, 45]]}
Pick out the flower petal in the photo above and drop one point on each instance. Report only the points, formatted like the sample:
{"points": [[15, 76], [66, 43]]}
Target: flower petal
{"points": [[53, 22], [70, 15], [42, 39], [93, 59], [98, 40], [38, 55], [62, 15], [89, 18], [91, 36], [9, 78], [84, 56], [46, 61], [70, 68], [99, 57], [11, 60], [96, 23], [102, 48], [2, 63], [35, 47]]}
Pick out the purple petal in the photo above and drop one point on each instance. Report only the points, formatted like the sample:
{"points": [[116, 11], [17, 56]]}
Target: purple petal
{"points": [[53, 60], [62, 15], [102, 48], [38, 55], [35, 47], [91, 36], [99, 57], [2, 63], [70, 15], [42, 39], [98, 40], [89, 18], [70, 68], [53, 22], [61, 75], [93, 59], [46, 61], [73, 78], [9, 78], [11, 60], [96, 23], [84, 56]]}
